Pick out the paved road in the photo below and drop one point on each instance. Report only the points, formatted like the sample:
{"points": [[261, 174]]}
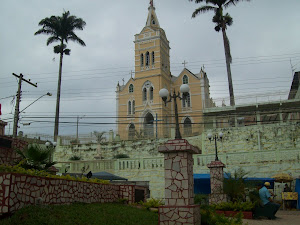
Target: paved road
{"points": [[284, 218]]}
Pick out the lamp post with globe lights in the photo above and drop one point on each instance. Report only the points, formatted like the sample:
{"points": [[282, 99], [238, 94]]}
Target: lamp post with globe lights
{"points": [[215, 137], [50, 146], [164, 93]]}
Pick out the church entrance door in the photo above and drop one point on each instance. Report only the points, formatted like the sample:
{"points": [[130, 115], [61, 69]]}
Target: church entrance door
{"points": [[148, 125]]}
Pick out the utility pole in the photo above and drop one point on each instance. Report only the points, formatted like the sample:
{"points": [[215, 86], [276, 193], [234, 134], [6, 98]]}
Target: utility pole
{"points": [[78, 118], [16, 116]]}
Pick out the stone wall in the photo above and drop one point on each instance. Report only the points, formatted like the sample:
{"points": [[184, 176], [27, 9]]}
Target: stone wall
{"points": [[108, 150], [268, 137], [19, 190], [261, 150], [8, 145]]}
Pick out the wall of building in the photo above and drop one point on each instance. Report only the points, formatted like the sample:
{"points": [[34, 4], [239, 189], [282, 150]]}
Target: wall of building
{"points": [[19, 190]]}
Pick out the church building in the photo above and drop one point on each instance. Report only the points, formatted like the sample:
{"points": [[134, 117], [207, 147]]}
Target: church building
{"points": [[141, 113]]}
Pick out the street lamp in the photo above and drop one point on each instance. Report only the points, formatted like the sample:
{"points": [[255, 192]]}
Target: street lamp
{"points": [[17, 113], [50, 146], [215, 137], [164, 93]]}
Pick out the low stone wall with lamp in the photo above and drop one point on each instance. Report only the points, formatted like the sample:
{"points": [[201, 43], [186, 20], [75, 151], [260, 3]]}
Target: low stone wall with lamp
{"points": [[19, 190]]}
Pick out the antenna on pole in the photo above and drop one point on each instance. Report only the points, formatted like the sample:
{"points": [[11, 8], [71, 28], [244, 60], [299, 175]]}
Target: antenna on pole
{"points": [[292, 67]]}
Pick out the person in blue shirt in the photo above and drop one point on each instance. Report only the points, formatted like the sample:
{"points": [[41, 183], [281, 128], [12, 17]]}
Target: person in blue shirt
{"points": [[266, 199]]}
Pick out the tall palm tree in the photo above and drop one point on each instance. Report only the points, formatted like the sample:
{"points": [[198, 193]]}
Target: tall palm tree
{"points": [[61, 29], [221, 21]]}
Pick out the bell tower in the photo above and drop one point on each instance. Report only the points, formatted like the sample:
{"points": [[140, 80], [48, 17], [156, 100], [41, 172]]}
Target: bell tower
{"points": [[152, 49]]}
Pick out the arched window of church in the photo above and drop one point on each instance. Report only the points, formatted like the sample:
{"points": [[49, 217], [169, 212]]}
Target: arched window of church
{"points": [[185, 79], [153, 58], [151, 93], [187, 126], [142, 59], [133, 107], [130, 88], [129, 107], [187, 101], [147, 59], [144, 94]]}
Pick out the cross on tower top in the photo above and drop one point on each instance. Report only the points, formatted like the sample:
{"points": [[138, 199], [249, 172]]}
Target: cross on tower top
{"points": [[151, 3], [184, 62]]}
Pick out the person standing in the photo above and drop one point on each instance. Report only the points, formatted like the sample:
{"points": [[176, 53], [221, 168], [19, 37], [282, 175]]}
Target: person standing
{"points": [[267, 201]]}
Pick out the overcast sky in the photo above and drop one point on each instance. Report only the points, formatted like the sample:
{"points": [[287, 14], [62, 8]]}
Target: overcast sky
{"points": [[264, 41]]}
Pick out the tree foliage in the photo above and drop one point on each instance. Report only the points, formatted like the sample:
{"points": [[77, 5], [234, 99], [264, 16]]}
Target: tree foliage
{"points": [[62, 29], [35, 157], [221, 21]]}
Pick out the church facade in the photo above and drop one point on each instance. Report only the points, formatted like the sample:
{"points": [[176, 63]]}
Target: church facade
{"points": [[141, 113]]}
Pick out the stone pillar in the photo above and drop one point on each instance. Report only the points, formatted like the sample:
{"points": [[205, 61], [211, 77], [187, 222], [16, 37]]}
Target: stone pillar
{"points": [[216, 182], [179, 205]]}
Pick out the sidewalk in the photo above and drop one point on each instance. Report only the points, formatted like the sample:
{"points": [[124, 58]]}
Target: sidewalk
{"points": [[283, 218]]}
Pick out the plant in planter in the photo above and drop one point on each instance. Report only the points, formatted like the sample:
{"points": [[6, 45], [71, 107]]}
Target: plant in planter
{"points": [[209, 216], [232, 208]]}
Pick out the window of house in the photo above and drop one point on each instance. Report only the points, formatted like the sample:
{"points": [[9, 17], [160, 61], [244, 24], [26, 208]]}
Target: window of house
{"points": [[151, 93], [144, 94], [133, 107], [153, 58], [129, 107], [147, 58], [130, 88], [185, 79], [142, 59]]}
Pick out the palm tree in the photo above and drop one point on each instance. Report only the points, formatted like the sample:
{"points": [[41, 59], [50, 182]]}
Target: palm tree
{"points": [[36, 157], [61, 29], [221, 21]]}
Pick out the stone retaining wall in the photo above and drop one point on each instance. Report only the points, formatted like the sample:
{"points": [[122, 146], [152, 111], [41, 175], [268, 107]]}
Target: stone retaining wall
{"points": [[19, 190]]}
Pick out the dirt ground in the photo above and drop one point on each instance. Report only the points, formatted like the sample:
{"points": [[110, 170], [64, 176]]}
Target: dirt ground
{"points": [[283, 218]]}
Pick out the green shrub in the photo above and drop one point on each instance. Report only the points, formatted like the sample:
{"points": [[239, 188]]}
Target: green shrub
{"points": [[152, 203], [210, 217], [42, 173], [201, 199], [74, 158], [235, 206], [121, 156], [123, 200]]}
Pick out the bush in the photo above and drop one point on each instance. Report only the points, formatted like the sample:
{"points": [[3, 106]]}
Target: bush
{"points": [[235, 206], [121, 156], [210, 217], [42, 173], [201, 199], [152, 203], [74, 158]]}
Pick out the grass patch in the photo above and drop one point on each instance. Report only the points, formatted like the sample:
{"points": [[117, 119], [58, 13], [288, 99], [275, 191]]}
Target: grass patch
{"points": [[80, 213]]}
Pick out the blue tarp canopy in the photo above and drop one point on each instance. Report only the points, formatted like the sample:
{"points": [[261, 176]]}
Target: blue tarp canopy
{"points": [[202, 182], [107, 176]]}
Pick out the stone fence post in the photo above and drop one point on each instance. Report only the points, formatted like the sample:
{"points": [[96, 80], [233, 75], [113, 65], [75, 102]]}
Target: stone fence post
{"points": [[179, 205], [216, 182]]}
